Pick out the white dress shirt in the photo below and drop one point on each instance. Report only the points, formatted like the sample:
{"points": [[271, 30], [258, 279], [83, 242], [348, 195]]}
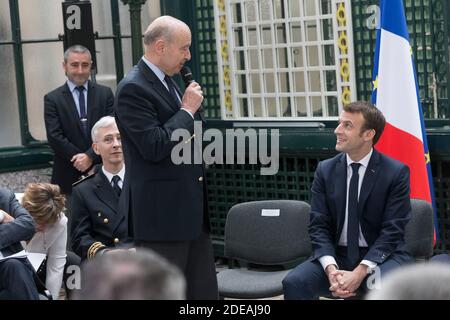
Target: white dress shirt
{"points": [[52, 241], [325, 261], [110, 176], [76, 95]]}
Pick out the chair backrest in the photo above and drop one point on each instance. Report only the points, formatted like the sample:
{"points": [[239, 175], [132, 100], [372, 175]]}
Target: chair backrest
{"points": [[273, 232], [419, 233]]}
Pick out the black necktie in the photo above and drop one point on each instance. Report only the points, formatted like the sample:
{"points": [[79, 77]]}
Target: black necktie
{"points": [[115, 184], [172, 91], [353, 220], [82, 104]]}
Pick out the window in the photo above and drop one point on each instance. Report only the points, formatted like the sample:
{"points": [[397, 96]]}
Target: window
{"points": [[284, 59]]}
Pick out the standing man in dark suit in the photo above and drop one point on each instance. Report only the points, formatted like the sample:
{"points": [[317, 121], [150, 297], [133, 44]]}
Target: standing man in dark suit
{"points": [[70, 111], [167, 201], [98, 226], [17, 276], [359, 209]]}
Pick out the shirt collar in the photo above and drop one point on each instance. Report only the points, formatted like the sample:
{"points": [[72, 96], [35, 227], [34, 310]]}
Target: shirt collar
{"points": [[72, 85], [109, 175], [159, 73], [364, 161]]}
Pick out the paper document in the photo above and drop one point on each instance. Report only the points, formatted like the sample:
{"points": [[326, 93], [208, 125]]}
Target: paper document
{"points": [[35, 259]]}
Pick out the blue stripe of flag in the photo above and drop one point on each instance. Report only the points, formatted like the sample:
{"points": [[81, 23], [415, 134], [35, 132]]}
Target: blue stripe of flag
{"points": [[375, 64], [393, 18]]}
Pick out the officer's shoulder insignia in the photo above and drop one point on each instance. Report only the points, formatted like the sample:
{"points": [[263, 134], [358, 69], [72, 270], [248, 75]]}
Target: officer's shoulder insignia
{"points": [[83, 178]]}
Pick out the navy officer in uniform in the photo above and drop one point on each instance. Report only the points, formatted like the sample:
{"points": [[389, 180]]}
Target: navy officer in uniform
{"points": [[98, 225]]}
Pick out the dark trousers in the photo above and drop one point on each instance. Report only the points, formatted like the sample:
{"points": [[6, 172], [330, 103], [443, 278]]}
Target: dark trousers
{"points": [[195, 258], [308, 280], [17, 280]]}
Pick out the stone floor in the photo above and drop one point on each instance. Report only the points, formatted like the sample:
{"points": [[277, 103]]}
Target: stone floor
{"points": [[17, 181]]}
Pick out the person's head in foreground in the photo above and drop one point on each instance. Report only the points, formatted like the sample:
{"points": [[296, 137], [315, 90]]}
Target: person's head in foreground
{"points": [[421, 281], [131, 275]]}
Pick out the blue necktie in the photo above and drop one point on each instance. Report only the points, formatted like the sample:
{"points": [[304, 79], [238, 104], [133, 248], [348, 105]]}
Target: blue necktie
{"points": [[172, 91], [82, 104], [115, 184], [352, 219]]}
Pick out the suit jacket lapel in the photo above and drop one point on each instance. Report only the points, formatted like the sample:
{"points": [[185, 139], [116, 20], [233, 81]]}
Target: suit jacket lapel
{"points": [[157, 85], [177, 88], [72, 106], [91, 103], [106, 194], [369, 180], [340, 191], [104, 191], [122, 207]]}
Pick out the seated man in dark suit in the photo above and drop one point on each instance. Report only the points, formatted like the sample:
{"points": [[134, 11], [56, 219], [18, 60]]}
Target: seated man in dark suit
{"points": [[98, 226], [17, 276], [359, 209]]}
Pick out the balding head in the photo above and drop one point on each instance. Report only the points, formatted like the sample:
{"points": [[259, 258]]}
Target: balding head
{"points": [[163, 28], [167, 42]]}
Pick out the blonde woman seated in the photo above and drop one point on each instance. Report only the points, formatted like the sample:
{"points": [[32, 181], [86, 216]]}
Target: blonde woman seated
{"points": [[45, 203]]}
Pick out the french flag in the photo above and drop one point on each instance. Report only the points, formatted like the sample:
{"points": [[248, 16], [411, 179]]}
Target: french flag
{"points": [[396, 94]]}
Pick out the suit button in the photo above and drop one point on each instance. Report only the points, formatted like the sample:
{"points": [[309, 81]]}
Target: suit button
{"points": [[116, 240], [105, 220], [99, 214], [200, 179]]}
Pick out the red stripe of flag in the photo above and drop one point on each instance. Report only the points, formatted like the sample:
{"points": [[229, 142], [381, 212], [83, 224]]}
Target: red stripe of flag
{"points": [[408, 149]]}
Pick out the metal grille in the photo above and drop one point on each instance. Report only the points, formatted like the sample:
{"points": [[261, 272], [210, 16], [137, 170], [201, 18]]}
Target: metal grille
{"points": [[441, 169], [427, 26], [207, 57]]}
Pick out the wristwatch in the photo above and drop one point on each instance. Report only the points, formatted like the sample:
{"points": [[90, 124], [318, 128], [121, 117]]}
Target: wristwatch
{"points": [[2, 216]]}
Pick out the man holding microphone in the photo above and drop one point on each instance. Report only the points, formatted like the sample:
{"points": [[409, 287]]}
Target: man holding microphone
{"points": [[168, 205]]}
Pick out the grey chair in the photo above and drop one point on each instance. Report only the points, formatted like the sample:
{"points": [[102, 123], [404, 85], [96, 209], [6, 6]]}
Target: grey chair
{"points": [[271, 237], [419, 232]]}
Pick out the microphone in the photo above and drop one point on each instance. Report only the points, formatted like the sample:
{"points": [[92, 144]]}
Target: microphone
{"points": [[188, 78]]}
